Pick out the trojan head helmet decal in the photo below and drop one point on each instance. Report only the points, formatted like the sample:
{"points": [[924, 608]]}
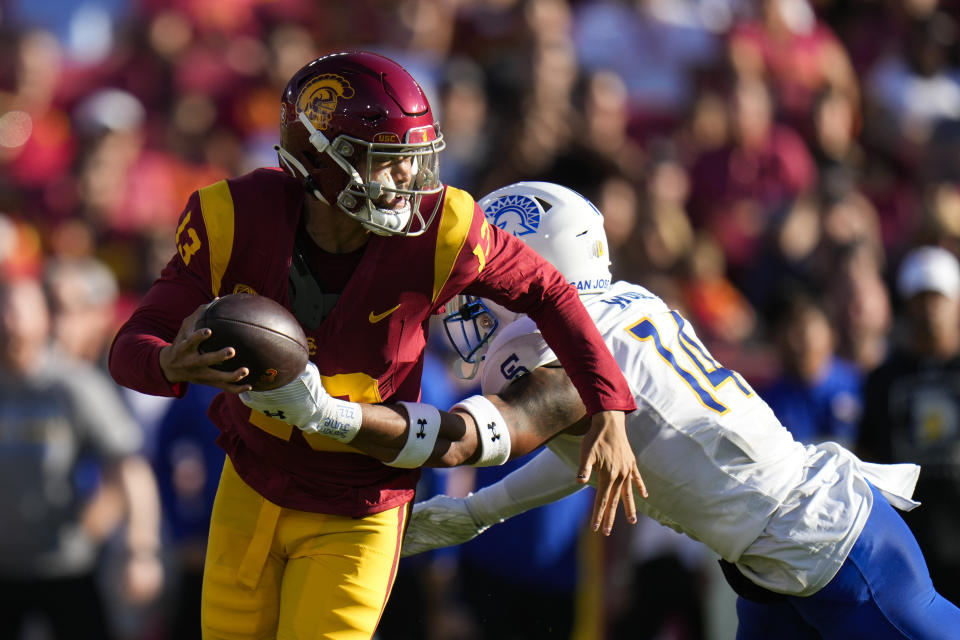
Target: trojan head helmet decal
{"points": [[319, 98]]}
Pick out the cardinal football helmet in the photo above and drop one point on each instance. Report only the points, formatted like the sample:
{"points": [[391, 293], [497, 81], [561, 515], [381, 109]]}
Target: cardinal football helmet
{"points": [[557, 222], [343, 117]]}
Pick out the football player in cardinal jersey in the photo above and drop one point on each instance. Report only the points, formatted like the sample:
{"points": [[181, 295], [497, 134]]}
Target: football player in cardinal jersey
{"points": [[807, 534], [358, 236]]}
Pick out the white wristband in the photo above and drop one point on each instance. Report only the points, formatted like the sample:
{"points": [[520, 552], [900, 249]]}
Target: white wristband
{"points": [[424, 426], [305, 403], [494, 435], [340, 420]]}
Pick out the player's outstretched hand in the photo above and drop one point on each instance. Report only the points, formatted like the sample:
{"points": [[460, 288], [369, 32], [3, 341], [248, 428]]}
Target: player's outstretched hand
{"points": [[606, 447], [182, 362], [441, 521]]}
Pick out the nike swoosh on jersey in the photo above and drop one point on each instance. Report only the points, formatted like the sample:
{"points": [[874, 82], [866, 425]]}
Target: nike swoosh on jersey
{"points": [[377, 317]]}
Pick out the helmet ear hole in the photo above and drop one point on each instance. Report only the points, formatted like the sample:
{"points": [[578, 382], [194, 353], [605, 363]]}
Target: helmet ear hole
{"points": [[546, 206]]}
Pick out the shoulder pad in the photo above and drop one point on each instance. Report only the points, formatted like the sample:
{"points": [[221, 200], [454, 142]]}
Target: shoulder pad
{"points": [[516, 351], [456, 219]]}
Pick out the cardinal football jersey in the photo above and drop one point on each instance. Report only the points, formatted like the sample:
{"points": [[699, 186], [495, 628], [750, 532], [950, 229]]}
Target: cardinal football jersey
{"points": [[238, 235]]}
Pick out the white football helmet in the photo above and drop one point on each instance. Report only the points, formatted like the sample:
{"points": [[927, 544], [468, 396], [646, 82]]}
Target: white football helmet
{"points": [[560, 225]]}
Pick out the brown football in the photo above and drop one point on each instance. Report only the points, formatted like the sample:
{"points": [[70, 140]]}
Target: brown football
{"points": [[267, 337]]}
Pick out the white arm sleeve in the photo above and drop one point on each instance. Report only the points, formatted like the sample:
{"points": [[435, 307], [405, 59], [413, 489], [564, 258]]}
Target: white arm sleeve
{"points": [[305, 403], [543, 480], [443, 521]]}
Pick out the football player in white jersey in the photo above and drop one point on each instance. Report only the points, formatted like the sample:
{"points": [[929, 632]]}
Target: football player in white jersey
{"points": [[806, 533]]}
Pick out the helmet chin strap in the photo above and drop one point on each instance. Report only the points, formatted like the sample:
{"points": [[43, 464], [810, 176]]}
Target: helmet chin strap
{"points": [[322, 145], [467, 370], [296, 167]]}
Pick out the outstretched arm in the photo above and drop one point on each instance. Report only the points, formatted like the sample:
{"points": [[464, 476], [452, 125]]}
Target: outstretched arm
{"points": [[530, 411], [483, 430], [443, 521]]}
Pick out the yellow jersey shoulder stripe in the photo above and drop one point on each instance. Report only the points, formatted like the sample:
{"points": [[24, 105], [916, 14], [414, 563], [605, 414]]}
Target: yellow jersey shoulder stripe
{"points": [[455, 222], [216, 206]]}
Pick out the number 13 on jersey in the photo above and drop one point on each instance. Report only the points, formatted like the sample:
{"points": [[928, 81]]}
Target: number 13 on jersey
{"points": [[690, 359]]}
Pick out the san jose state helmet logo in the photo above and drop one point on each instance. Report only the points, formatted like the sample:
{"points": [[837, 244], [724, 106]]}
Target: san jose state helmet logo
{"points": [[515, 214]]}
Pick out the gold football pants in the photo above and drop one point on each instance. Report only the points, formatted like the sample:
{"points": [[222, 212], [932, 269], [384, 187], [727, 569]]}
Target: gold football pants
{"points": [[272, 572]]}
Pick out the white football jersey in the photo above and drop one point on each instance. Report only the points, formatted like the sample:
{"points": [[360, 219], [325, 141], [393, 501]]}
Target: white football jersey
{"points": [[717, 463]]}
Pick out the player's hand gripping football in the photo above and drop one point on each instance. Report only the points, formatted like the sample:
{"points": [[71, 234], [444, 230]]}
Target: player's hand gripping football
{"points": [[295, 403], [182, 362], [605, 447], [441, 521]]}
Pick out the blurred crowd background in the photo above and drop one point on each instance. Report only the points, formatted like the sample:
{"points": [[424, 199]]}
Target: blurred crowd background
{"points": [[763, 165]]}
